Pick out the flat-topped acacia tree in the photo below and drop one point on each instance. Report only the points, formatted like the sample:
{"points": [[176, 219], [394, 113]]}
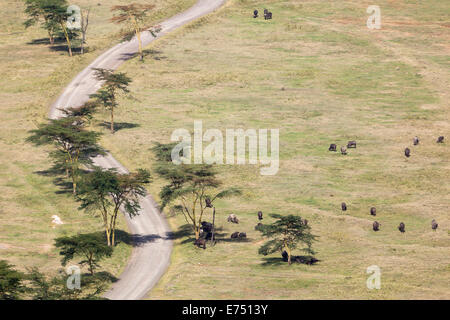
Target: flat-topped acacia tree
{"points": [[74, 144], [134, 16], [113, 83], [55, 15], [286, 233], [35, 10], [189, 187], [106, 191]]}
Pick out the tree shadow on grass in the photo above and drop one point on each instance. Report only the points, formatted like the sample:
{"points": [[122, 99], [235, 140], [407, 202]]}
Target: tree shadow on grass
{"points": [[61, 181], [183, 231], [135, 240], [119, 125], [153, 54], [102, 276], [46, 41], [275, 261]]}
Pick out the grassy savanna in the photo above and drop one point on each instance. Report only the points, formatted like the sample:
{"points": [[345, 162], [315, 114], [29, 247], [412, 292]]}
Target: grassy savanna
{"points": [[321, 76], [33, 74]]}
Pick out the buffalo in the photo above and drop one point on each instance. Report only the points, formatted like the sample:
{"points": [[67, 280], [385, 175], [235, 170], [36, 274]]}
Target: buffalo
{"points": [[401, 227], [200, 243], [407, 152], [351, 144], [434, 225], [267, 14], [376, 226], [232, 218]]}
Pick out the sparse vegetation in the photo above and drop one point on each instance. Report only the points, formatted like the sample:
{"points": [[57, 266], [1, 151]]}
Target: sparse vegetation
{"points": [[328, 80], [34, 72]]}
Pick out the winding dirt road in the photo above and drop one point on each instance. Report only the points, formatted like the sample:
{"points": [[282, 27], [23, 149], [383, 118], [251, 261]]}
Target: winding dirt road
{"points": [[153, 245]]}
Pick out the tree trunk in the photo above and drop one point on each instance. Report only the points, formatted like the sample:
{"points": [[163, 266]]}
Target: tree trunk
{"points": [[69, 45], [289, 255], [108, 236], [212, 231], [91, 265], [141, 53], [197, 233], [112, 120]]}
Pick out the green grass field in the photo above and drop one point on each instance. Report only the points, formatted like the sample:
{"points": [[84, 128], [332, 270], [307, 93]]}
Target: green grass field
{"points": [[321, 76], [32, 77]]}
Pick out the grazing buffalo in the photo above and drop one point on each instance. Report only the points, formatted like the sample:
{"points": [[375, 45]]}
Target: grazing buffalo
{"points": [[373, 211], [351, 144], [255, 14], [376, 226], [242, 235], [440, 139], [207, 230], [260, 215], [200, 243], [434, 225], [407, 152], [332, 147], [344, 206], [416, 141], [232, 218], [267, 14], [235, 235], [401, 227]]}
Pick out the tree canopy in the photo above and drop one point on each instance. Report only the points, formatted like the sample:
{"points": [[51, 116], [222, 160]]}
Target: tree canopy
{"points": [[11, 282], [134, 15], [188, 186], [106, 191], [54, 15], [74, 144], [90, 247], [113, 83], [287, 233]]}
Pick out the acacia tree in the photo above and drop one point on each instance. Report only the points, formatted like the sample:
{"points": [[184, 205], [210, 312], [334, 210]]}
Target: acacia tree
{"points": [[36, 12], [106, 191], [113, 83], [287, 232], [74, 144], [43, 287], [134, 15], [91, 247], [54, 15], [189, 187], [56, 11], [11, 282]]}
